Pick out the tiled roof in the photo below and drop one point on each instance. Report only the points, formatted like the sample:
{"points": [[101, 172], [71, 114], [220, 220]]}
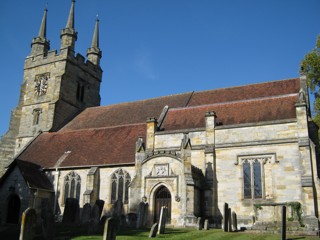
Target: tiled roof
{"points": [[32, 174], [125, 113], [249, 111], [101, 146], [259, 90]]}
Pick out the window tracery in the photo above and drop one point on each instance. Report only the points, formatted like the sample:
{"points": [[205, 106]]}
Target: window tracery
{"points": [[72, 186], [120, 181]]}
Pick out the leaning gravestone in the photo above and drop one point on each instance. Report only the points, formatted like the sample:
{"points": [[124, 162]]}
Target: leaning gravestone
{"points": [[86, 213], [28, 224], [225, 217], [199, 223], [71, 211], [162, 220], [110, 227], [48, 225], [206, 224], [153, 230]]}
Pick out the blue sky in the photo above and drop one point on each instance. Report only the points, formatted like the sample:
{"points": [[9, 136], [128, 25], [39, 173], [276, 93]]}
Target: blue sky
{"points": [[153, 48]]}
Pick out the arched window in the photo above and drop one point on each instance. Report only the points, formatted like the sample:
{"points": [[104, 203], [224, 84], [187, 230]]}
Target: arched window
{"points": [[36, 116], [120, 181], [72, 185], [252, 179]]}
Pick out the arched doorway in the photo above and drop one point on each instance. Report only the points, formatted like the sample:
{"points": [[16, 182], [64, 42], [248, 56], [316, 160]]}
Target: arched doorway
{"points": [[13, 209], [162, 198]]}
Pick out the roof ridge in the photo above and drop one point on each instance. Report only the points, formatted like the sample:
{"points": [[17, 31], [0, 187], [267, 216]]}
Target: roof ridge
{"points": [[238, 101], [251, 84]]}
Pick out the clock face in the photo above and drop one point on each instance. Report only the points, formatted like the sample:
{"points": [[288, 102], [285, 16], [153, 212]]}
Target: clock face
{"points": [[41, 85]]}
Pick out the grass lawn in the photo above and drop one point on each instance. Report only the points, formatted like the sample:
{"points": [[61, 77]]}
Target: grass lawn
{"points": [[81, 233], [186, 233]]}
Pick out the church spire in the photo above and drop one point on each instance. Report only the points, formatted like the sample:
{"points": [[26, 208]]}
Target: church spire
{"points": [[40, 44], [70, 23], [43, 27], [94, 52], [68, 34]]}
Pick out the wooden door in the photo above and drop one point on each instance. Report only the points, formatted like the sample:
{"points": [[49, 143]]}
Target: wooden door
{"points": [[162, 198]]}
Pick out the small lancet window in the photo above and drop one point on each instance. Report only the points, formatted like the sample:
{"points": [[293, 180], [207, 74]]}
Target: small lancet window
{"points": [[120, 181], [36, 116], [80, 91]]}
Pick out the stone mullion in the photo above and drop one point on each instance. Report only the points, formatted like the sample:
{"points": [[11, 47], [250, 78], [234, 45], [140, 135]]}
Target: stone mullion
{"points": [[262, 162], [252, 178]]}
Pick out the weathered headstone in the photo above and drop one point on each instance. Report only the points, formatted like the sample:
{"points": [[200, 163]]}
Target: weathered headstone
{"points": [[162, 220], [94, 219], [117, 209], [283, 225], [206, 224], [225, 217], [199, 223], [86, 213], [142, 214], [234, 222], [48, 225], [229, 220], [109, 232], [153, 230], [132, 220], [71, 211], [28, 224]]}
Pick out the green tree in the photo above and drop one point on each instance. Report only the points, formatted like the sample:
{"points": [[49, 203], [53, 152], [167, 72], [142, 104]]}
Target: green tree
{"points": [[310, 66]]}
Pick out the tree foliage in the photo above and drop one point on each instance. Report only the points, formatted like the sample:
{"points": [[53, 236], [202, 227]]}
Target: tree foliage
{"points": [[310, 66]]}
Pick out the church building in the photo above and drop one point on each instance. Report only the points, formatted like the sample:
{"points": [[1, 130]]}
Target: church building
{"points": [[253, 147]]}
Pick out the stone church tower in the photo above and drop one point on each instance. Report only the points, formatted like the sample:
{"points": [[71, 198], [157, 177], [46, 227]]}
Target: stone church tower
{"points": [[56, 87]]}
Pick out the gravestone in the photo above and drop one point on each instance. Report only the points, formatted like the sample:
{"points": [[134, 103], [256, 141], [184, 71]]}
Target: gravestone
{"points": [[199, 223], [86, 213], [142, 215], [229, 220], [225, 217], [132, 220], [234, 222], [71, 211], [206, 224], [100, 204], [117, 209], [283, 224], [28, 224], [48, 224], [162, 220], [153, 230], [123, 221], [110, 227], [94, 219]]}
